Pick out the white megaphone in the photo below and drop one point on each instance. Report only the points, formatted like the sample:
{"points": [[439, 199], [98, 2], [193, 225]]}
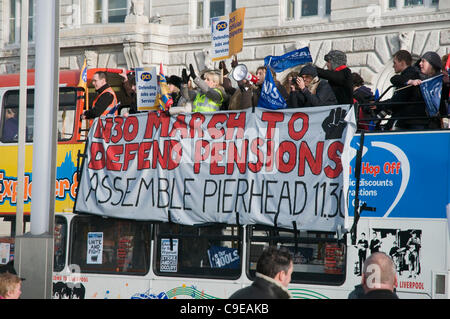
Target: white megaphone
{"points": [[240, 72]]}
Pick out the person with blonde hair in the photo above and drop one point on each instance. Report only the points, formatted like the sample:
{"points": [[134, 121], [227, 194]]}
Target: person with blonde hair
{"points": [[208, 98], [10, 286]]}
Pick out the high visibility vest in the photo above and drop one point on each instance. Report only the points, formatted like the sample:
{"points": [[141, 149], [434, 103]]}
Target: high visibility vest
{"points": [[110, 106], [203, 104]]}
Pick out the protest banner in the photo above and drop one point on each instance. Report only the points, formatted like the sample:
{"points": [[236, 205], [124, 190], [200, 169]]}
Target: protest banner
{"points": [[431, 91], [288, 60], [253, 166], [146, 89], [227, 35], [271, 97]]}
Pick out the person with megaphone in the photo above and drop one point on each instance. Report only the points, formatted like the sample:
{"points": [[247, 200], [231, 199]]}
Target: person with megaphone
{"points": [[251, 85]]}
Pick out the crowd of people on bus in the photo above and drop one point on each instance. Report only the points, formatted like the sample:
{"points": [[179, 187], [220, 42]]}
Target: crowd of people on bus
{"points": [[314, 86], [213, 90]]}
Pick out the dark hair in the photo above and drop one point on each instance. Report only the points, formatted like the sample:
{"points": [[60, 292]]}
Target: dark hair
{"points": [[403, 55], [273, 260], [131, 78], [101, 74], [357, 79]]}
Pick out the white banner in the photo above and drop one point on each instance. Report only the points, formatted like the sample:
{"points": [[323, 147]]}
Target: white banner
{"points": [[262, 167]]}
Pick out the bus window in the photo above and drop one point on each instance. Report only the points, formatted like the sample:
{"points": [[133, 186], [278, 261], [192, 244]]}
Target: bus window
{"points": [[212, 251], [66, 115], [60, 240], [107, 245], [318, 257]]}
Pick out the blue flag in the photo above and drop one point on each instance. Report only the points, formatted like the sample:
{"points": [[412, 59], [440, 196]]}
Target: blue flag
{"points": [[431, 91], [288, 60], [270, 97]]}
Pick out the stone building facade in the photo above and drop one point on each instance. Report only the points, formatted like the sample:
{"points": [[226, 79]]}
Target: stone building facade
{"points": [[132, 33]]}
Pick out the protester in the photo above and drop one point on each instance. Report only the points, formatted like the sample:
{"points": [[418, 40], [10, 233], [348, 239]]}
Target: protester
{"points": [[445, 94], [174, 83], [339, 76], [208, 98], [311, 90], [106, 99], [430, 65], [363, 95], [406, 100], [273, 275], [10, 286], [379, 277], [129, 85], [256, 91], [289, 81], [10, 126]]}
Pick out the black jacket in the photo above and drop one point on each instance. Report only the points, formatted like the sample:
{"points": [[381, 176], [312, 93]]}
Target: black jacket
{"points": [[304, 98], [379, 294], [262, 287], [101, 104], [341, 83], [416, 108]]}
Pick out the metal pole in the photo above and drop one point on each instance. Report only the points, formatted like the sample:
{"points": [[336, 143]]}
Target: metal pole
{"points": [[45, 111], [22, 116]]}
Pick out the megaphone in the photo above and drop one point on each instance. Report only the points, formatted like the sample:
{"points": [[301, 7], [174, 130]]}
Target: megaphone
{"points": [[240, 72]]}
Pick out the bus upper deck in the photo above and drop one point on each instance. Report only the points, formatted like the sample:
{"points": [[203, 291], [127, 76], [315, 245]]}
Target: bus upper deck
{"points": [[115, 255]]}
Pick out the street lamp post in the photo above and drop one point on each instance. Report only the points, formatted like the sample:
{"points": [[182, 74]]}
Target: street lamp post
{"points": [[34, 254]]}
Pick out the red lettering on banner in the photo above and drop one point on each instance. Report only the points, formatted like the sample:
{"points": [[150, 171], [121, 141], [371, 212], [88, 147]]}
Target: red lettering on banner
{"points": [[256, 167], [154, 121], [195, 124], [286, 147], [104, 132], [113, 157], [271, 119], [236, 123], [233, 157], [143, 154], [160, 158], [315, 164], [334, 151], [174, 149], [97, 149], [213, 131], [130, 154], [217, 157], [201, 154], [269, 155], [117, 133], [132, 122], [298, 135], [181, 126]]}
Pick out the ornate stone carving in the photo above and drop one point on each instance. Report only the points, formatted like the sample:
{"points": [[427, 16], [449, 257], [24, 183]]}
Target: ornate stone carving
{"points": [[91, 58], [136, 13], [133, 52], [406, 40]]}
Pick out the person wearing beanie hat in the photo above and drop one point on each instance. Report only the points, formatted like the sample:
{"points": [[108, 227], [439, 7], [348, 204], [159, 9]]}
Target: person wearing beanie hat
{"points": [[174, 84], [339, 76], [310, 90], [430, 65], [335, 58], [434, 61]]}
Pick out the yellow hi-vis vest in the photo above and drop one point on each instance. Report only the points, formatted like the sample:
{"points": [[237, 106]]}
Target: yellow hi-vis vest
{"points": [[204, 104]]}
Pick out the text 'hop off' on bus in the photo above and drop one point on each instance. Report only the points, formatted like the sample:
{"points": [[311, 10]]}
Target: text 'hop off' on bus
{"points": [[152, 206]]}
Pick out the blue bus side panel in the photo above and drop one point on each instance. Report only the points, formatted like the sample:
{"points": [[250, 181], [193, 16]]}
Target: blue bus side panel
{"points": [[402, 175]]}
